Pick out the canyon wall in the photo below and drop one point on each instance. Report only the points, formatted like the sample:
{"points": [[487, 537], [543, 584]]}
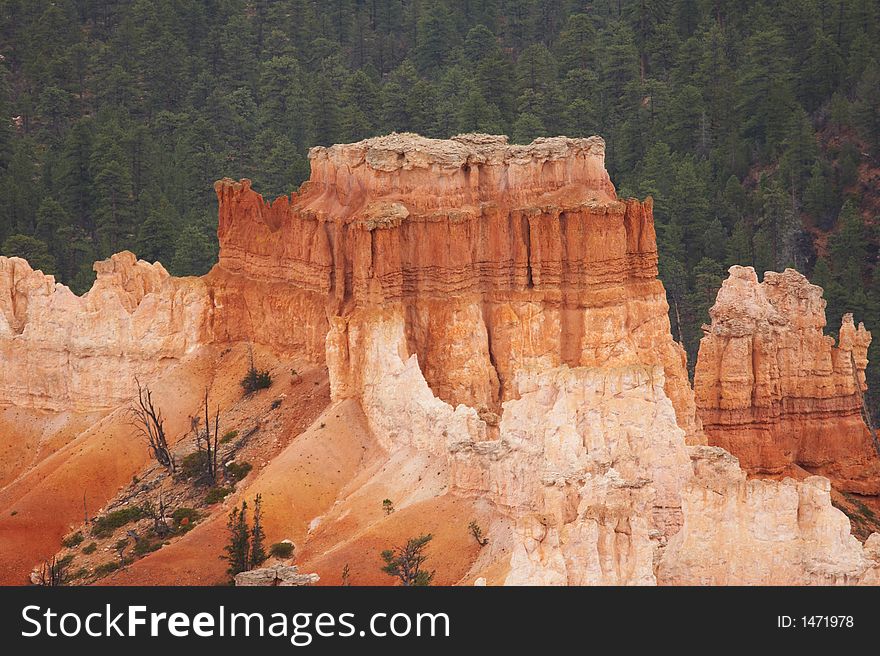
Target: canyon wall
{"points": [[775, 391], [64, 352], [497, 306]]}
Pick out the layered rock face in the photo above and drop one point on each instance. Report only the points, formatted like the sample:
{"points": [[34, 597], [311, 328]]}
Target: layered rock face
{"points": [[64, 352], [775, 391], [496, 258]]}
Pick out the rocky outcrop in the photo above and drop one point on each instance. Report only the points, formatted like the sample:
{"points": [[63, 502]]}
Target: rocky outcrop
{"points": [[279, 575], [759, 532], [64, 352], [775, 391]]}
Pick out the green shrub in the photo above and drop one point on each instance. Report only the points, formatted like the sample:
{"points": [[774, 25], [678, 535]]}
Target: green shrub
{"points": [[255, 380], [191, 515], [72, 540], [81, 573], [106, 568], [144, 546], [217, 494], [90, 548], [238, 470], [195, 465], [281, 550], [231, 435], [105, 525]]}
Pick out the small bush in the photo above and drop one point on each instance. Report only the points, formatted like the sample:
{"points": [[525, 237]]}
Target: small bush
{"points": [[105, 525], [276, 404], [238, 470], [13, 513], [231, 435], [255, 380], [185, 517], [72, 540], [281, 550], [106, 568], [217, 494], [194, 465], [388, 506], [81, 573], [90, 548], [143, 547]]}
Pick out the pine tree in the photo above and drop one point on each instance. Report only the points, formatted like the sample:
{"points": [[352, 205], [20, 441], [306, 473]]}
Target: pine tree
{"points": [[31, 249], [238, 550], [405, 563], [192, 253], [258, 536], [155, 237]]}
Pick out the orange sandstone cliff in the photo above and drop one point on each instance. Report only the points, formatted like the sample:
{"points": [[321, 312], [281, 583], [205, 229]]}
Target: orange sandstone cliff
{"points": [[496, 344], [775, 391]]}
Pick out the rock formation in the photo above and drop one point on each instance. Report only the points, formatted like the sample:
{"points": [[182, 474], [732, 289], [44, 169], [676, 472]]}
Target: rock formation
{"points": [[64, 352], [775, 391], [762, 532], [497, 308], [279, 575], [494, 257]]}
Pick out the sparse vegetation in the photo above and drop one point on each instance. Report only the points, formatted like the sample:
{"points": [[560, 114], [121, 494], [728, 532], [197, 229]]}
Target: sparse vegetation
{"points": [[238, 549], [477, 532], [217, 494], [148, 421], [405, 563], [238, 470], [158, 513], [104, 526], [276, 404], [106, 568], [72, 541], [54, 573], [145, 546], [228, 437], [258, 536], [255, 379], [193, 465], [90, 548], [206, 444], [184, 519], [281, 550], [388, 506]]}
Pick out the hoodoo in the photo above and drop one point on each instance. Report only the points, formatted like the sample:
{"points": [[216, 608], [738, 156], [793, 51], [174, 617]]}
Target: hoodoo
{"points": [[777, 392], [491, 314]]}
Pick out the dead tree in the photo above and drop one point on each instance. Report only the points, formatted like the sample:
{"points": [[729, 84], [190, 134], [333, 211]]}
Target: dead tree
{"points": [[159, 515], [207, 442], [148, 420], [54, 573]]}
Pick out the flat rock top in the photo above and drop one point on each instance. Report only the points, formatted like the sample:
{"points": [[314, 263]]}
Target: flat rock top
{"points": [[407, 150]]}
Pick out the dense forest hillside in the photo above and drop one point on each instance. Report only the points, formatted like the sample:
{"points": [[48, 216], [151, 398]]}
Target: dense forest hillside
{"points": [[755, 125]]}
